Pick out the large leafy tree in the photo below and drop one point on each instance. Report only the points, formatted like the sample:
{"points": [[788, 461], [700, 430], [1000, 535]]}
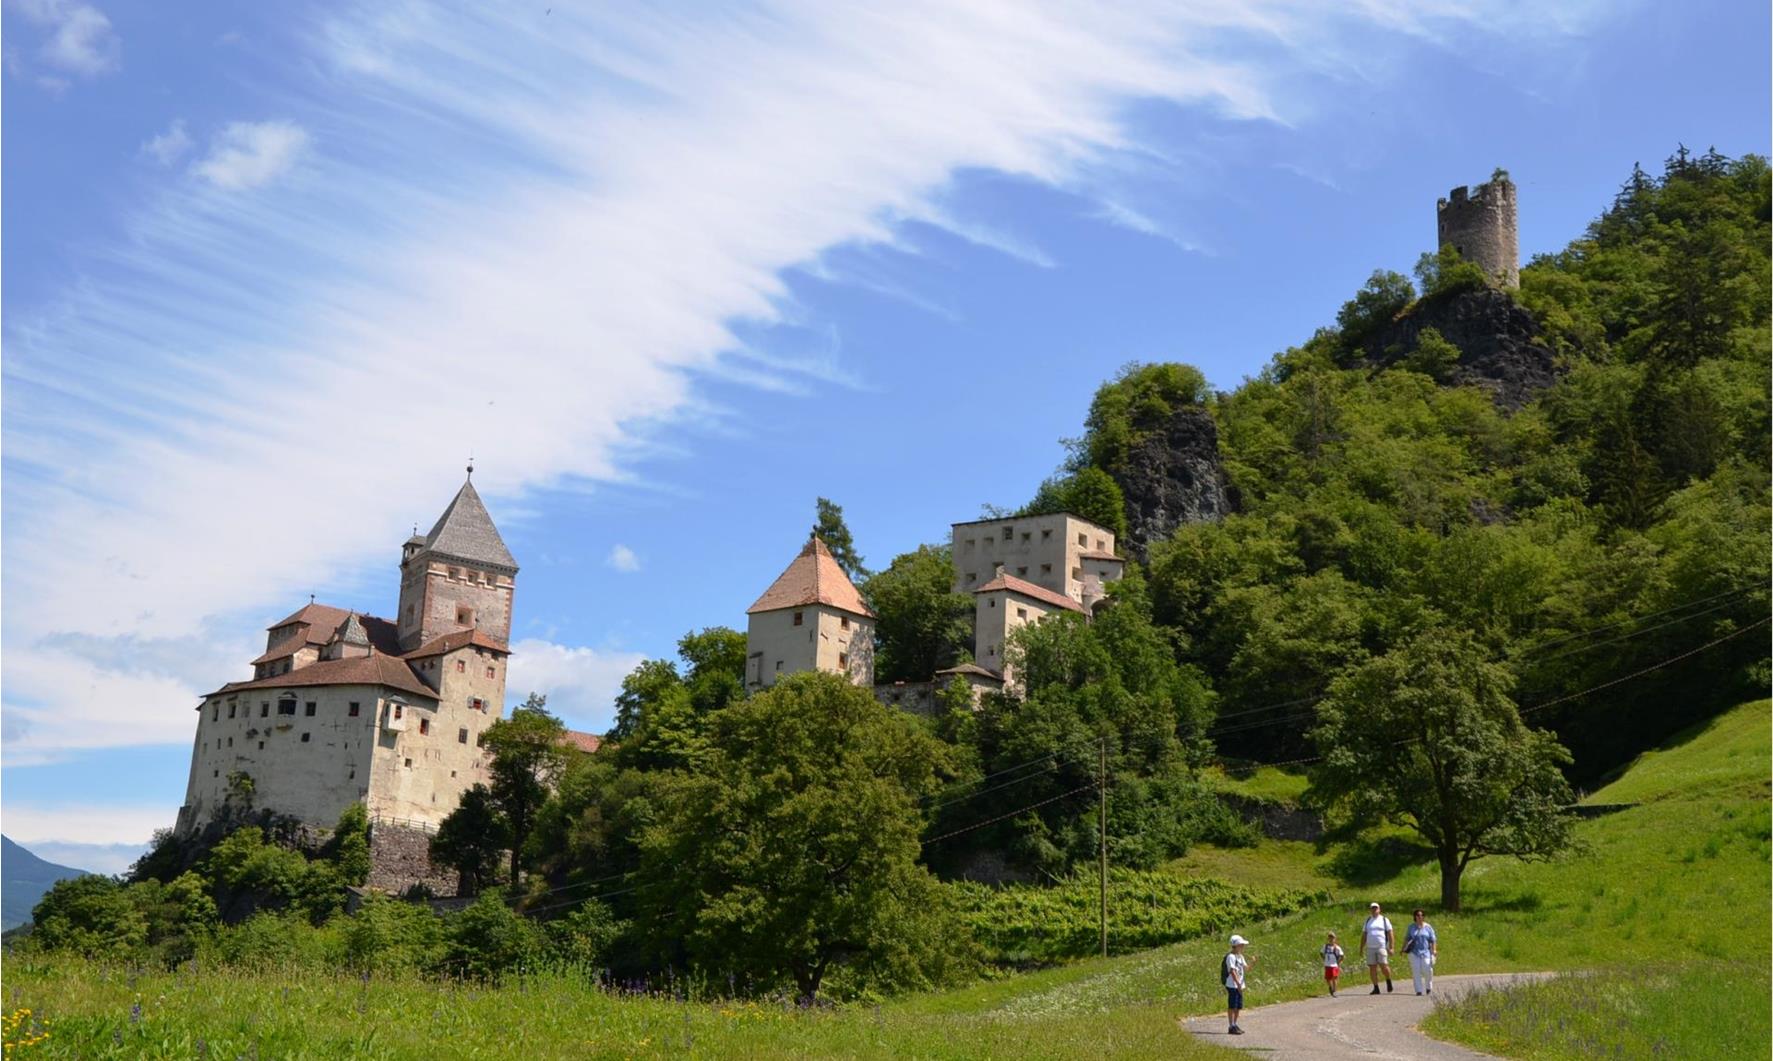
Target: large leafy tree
{"points": [[794, 848], [921, 623], [1426, 735], [1088, 492], [471, 840], [829, 525], [527, 757]]}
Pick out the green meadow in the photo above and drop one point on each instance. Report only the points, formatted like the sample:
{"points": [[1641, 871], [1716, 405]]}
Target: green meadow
{"points": [[1661, 919]]}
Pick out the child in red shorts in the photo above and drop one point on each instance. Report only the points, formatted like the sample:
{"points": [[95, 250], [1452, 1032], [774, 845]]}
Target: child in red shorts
{"points": [[1332, 963]]}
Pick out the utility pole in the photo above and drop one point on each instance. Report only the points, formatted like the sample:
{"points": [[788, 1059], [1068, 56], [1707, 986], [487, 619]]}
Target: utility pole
{"points": [[1102, 836]]}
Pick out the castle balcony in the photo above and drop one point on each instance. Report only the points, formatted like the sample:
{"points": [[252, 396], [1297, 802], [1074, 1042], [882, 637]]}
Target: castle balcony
{"points": [[394, 715]]}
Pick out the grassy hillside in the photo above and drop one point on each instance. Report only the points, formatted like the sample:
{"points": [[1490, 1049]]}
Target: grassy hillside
{"points": [[23, 879], [1664, 894]]}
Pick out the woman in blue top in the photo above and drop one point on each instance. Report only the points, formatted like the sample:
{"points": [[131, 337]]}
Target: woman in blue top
{"points": [[1422, 947]]}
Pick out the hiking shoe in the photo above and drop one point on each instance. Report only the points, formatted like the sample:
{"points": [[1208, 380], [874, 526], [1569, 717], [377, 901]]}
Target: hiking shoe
{"points": [[1375, 989], [1388, 987], [1235, 1030]]}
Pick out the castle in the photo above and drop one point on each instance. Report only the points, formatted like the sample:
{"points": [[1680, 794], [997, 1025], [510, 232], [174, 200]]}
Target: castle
{"points": [[345, 707], [1480, 224], [1019, 570]]}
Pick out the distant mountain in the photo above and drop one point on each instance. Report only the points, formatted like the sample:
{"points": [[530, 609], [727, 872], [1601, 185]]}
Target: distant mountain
{"points": [[23, 879]]}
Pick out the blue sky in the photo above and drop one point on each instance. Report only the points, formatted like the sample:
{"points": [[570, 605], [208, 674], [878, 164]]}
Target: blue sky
{"points": [[273, 272]]}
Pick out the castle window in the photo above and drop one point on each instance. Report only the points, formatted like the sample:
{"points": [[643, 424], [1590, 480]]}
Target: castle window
{"points": [[1021, 613], [264, 709], [476, 703], [1046, 534], [1077, 573], [353, 709], [286, 706], [1101, 546], [461, 738], [230, 742], [1020, 571], [261, 745], [1009, 535], [461, 666], [215, 773], [409, 764], [1046, 569], [492, 672], [844, 622], [480, 741], [424, 727], [970, 543], [797, 618], [305, 738], [971, 578], [990, 541], [778, 666], [1025, 535], [231, 710], [309, 708], [843, 659], [464, 615], [399, 710], [993, 603], [218, 742], [215, 712]]}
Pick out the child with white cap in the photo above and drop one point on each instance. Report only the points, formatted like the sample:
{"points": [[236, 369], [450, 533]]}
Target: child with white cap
{"points": [[1232, 971]]}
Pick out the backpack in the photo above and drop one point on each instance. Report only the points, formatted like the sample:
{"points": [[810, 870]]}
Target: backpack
{"points": [[1224, 969]]}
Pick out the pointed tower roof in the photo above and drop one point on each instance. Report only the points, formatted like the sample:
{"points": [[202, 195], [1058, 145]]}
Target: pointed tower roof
{"points": [[813, 578], [351, 631], [466, 532]]}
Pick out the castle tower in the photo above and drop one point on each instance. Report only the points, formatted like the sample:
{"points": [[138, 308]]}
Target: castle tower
{"points": [[1480, 224], [811, 618], [458, 577]]}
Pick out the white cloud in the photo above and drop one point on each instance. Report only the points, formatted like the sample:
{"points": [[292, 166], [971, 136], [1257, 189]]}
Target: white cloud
{"points": [[81, 40], [32, 824], [623, 559], [250, 154], [94, 858], [170, 146], [580, 683], [540, 226]]}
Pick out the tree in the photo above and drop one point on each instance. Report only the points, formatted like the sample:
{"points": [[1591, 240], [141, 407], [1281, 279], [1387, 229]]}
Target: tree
{"points": [[1088, 492], [1426, 735], [921, 624], [348, 847], [527, 756], [90, 915], [1433, 356], [645, 686], [1446, 272], [795, 847], [1385, 295], [836, 534], [1139, 399], [471, 840]]}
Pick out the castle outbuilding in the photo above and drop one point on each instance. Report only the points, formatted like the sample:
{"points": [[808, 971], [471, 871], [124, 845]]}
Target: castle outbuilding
{"points": [[1480, 223], [346, 707], [811, 618]]}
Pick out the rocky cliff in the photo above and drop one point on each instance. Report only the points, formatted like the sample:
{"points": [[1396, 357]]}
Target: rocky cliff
{"points": [[1171, 477], [1498, 341]]}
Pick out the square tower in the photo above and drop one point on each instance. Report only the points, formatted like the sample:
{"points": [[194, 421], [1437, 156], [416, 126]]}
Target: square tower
{"points": [[811, 618], [458, 577]]}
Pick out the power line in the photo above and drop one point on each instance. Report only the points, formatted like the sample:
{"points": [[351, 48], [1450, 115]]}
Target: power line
{"points": [[1670, 661], [1010, 814]]}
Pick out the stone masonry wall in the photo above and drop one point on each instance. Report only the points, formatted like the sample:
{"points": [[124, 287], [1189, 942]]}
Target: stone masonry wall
{"points": [[1481, 223], [400, 857]]}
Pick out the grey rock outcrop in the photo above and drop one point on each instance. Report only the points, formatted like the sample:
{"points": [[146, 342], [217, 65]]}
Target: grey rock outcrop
{"points": [[1172, 476], [1499, 344]]}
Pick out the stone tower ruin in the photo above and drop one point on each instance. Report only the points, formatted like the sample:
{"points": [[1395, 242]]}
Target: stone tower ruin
{"points": [[1480, 224]]}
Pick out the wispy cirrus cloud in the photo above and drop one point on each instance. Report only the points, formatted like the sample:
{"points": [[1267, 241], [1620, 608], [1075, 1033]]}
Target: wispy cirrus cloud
{"points": [[540, 222]]}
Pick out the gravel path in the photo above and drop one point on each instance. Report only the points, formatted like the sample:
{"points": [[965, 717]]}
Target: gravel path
{"points": [[1354, 1024]]}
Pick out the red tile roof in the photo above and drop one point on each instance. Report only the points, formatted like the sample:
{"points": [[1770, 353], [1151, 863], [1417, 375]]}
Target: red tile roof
{"points": [[585, 742], [437, 646], [1012, 584], [974, 670], [1099, 554], [813, 578], [322, 615], [320, 621], [377, 669]]}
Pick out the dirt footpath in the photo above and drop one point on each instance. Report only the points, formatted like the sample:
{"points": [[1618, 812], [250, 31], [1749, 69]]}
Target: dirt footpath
{"points": [[1355, 1024]]}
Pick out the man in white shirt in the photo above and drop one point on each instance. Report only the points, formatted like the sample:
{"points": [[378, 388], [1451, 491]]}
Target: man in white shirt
{"points": [[1376, 940]]}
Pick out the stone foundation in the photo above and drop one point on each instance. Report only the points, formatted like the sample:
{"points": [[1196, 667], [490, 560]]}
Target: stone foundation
{"points": [[400, 857]]}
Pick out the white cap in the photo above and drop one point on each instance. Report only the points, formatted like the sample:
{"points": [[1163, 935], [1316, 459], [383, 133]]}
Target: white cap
{"points": [[1239, 941], [1372, 906]]}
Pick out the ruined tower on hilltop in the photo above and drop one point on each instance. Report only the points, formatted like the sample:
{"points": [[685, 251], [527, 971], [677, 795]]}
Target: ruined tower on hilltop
{"points": [[1480, 224]]}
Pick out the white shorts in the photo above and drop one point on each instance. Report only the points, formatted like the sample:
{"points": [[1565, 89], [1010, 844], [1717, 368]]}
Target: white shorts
{"points": [[1377, 956]]}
